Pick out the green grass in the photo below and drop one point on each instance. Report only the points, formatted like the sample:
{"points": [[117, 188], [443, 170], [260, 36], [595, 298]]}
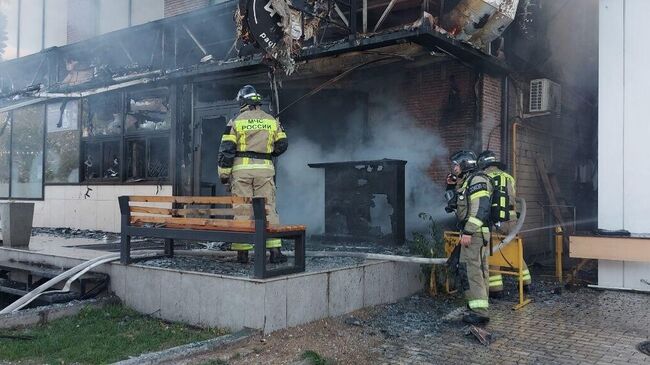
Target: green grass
{"points": [[313, 358], [98, 336]]}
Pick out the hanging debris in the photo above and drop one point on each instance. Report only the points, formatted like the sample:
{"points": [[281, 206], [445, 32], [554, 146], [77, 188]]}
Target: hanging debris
{"points": [[279, 28]]}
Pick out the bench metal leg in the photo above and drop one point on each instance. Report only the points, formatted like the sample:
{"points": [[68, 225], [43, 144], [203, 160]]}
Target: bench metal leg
{"points": [[125, 249], [259, 270], [169, 247], [300, 252]]}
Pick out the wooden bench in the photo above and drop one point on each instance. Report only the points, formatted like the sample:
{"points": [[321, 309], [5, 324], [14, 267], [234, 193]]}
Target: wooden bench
{"points": [[206, 219]]}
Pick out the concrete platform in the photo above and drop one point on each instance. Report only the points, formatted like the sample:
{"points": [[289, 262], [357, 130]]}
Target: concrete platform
{"points": [[213, 300]]}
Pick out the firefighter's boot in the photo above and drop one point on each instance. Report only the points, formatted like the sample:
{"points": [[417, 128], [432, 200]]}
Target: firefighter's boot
{"points": [[242, 257], [276, 256]]}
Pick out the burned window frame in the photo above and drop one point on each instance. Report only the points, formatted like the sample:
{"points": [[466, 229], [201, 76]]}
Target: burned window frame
{"points": [[55, 133], [11, 119], [123, 139]]}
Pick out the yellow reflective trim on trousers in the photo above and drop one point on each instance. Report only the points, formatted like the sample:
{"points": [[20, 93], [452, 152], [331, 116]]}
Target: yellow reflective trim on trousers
{"points": [[475, 221], [253, 167], [479, 194], [228, 138], [273, 243], [496, 278], [478, 303], [241, 246], [495, 283]]}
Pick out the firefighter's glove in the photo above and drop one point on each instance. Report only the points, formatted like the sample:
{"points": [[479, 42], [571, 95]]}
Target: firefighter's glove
{"points": [[454, 260]]}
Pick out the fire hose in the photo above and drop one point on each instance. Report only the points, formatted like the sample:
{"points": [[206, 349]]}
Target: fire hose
{"points": [[71, 274]]}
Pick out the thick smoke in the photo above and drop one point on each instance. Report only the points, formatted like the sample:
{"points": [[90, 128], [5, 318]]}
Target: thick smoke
{"points": [[393, 135]]}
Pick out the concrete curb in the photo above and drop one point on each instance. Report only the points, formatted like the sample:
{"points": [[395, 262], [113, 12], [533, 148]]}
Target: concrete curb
{"points": [[42, 315], [191, 349]]}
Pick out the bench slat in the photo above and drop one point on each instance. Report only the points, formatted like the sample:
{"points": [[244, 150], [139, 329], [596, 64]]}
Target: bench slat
{"points": [[271, 229], [219, 223], [184, 212], [191, 199]]}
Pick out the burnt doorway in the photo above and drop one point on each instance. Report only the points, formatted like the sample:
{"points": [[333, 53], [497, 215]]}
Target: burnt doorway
{"points": [[208, 126]]}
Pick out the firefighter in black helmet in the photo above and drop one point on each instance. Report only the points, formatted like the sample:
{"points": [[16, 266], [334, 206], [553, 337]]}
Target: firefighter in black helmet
{"points": [[504, 211], [472, 190], [248, 146]]}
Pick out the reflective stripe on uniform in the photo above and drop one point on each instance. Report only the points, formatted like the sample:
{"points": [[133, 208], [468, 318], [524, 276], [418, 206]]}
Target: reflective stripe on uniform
{"points": [[477, 303], [474, 220], [224, 170], [479, 194], [228, 138], [253, 167], [498, 277], [281, 135], [273, 243], [526, 275]]}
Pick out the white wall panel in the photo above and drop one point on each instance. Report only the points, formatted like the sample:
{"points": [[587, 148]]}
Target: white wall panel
{"points": [[636, 130], [610, 114]]}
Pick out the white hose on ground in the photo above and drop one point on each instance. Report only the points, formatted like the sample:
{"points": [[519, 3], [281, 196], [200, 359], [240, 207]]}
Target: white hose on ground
{"points": [[520, 223], [73, 273], [375, 256]]}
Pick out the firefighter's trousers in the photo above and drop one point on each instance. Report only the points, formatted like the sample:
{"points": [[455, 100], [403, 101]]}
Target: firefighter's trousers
{"points": [[496, 280], [474, 274], [254, 183]]}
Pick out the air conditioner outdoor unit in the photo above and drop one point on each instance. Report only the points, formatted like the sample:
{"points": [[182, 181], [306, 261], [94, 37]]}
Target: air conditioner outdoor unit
{"points": [[545, 96]]}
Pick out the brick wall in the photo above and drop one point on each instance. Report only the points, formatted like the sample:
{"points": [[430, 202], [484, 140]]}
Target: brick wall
{"points": [[491, 113], [176, 7], [559, 140], [82, 20], [425, 94]]}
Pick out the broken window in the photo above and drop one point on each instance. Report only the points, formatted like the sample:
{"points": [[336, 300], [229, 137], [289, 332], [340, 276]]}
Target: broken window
{"points": [[143, 146], [5, 153], [148, 111], [27, 152], [103, 116], [147, 158], [62, 143]]}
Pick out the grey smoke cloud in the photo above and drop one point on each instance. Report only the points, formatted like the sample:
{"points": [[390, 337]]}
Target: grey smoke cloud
{"points": [[392, 134]]}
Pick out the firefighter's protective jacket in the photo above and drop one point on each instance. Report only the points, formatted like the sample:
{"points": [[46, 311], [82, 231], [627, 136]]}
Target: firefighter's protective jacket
{"points": [[249, 142], [504, 205], [474, 195]]}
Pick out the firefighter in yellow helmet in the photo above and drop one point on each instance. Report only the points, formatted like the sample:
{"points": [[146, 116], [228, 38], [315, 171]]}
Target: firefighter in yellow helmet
{"points": [[504, 211], [472, 193], [248, 145]]}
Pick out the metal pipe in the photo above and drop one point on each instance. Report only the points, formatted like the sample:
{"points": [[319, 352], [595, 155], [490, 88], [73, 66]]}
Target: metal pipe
{"points": [[515, 125], [196, 41], [504, 120], [385, 14]]}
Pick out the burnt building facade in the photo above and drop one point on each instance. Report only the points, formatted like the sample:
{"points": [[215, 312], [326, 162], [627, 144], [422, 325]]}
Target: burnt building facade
{"points": [[138, 107]]}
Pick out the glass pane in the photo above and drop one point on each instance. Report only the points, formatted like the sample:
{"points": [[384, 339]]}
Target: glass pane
{"points": [[62, 143], [143, 11], [148, 111], [113, 15], [63, 116], [92, 161], [104, 115], [111, 160], [9, 26], [5, 153], [27, 153], [158, 167], [136, 156], [31, 27], [56, 23]]}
